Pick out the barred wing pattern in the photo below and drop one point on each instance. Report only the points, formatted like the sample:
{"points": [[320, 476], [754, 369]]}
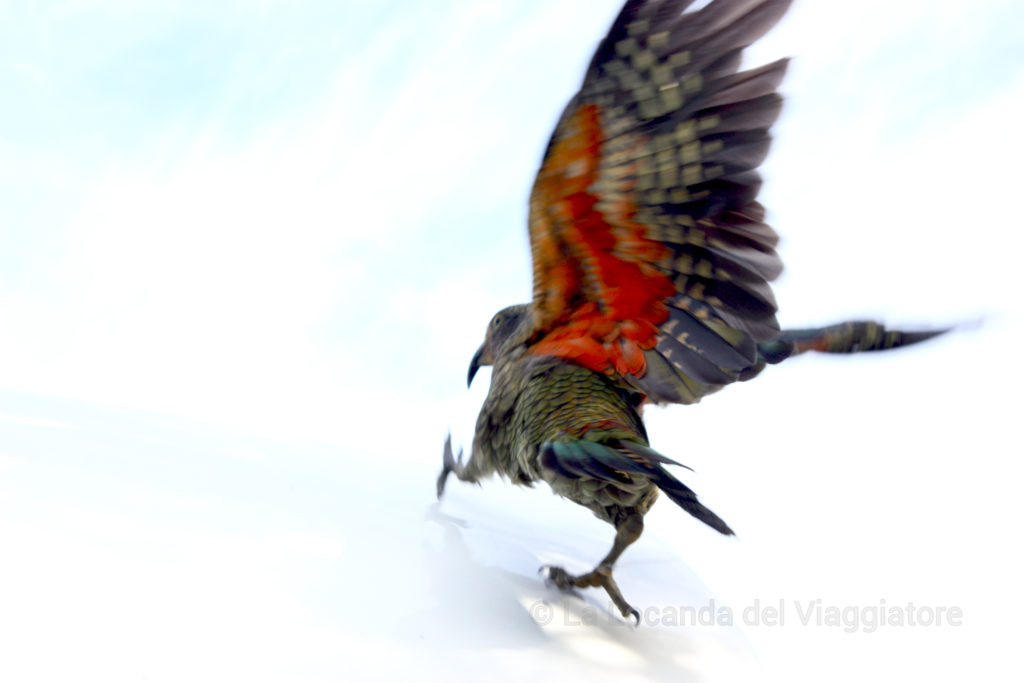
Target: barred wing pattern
{"points": [[651, 259]]}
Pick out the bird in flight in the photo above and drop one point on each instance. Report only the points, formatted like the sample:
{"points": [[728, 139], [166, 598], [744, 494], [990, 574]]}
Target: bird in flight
{"points": [[651, 271]]}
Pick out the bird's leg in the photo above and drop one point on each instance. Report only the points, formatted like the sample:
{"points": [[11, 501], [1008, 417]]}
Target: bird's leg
{"points": [[626, 531], [449, 464]]}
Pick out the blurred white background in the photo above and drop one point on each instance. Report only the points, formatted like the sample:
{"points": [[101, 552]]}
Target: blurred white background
{"points": [[247, 250]]}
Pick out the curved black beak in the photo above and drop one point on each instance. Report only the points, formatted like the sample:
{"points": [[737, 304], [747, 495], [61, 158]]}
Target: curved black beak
{"points": [[474, 365]]}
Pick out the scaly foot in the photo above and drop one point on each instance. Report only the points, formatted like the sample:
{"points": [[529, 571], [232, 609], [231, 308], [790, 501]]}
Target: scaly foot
{"points": [[600, 576]]}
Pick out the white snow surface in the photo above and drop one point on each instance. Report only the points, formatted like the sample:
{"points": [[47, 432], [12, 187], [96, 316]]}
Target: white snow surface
{"points": [[140, 550], [143, 547]]}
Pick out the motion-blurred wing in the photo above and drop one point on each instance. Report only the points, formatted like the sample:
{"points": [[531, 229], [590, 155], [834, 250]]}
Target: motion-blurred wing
{"points": [[650, 257]]}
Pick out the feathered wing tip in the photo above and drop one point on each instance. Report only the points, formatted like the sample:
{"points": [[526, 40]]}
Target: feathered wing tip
{"points": [[848, 337], [650, 252], [618, 463]]}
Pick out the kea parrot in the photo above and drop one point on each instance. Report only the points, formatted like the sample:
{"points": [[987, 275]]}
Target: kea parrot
{"points": [[651, 264]]}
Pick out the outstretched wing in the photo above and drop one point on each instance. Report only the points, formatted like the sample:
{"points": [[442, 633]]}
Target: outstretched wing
{"points": [[650, 257]]}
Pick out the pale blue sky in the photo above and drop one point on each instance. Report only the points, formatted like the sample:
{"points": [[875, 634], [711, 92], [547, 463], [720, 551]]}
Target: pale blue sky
{"points": [[261, 199], [244, 245], [234, 188]]}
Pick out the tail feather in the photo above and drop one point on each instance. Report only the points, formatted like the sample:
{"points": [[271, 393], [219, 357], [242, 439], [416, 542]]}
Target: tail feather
{"points": [[681, 494], [618, 462], [848, 337]]}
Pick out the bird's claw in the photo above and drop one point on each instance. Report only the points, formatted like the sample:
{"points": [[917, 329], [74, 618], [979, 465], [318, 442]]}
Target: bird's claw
{"points": [[442, 479], [448, 465], [599, 577], [556, 576]]}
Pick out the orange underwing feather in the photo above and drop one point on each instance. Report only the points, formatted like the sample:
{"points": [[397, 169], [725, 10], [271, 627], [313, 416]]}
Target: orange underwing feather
{"points": [[598, 286], [650, 256]]}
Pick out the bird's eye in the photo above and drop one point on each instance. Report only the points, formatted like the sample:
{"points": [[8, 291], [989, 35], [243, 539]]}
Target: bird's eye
{"points": [[496, 321]]}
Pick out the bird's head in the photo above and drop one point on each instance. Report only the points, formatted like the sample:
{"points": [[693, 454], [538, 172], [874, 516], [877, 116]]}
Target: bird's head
{"points": [[508, 328]]}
